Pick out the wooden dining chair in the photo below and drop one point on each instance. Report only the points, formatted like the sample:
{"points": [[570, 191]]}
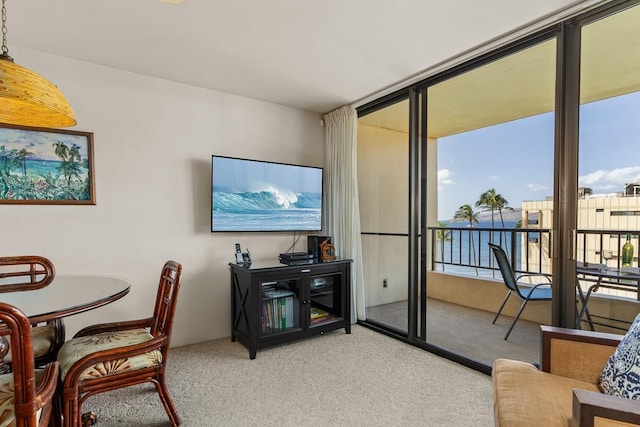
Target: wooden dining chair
{"points": [[109, 356], [25, 394], [30, 272]]}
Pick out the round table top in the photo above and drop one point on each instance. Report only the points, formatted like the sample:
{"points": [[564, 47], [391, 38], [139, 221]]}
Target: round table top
{"points": [[67, 295]]}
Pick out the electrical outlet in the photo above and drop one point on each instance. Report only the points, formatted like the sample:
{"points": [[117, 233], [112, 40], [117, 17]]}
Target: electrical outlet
{"points": [[385, 283]]}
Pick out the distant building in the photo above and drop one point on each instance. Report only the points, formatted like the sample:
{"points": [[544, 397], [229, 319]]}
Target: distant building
{"points": [[632, 189], [615, 214]]}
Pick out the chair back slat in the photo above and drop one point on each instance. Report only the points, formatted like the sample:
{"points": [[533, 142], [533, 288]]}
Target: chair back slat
{"points": [[166, 300], [22, 352], [19, 273], [505, 268]]}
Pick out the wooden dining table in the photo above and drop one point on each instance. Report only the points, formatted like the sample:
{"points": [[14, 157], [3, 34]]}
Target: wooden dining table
{"points": [[67, 295]]}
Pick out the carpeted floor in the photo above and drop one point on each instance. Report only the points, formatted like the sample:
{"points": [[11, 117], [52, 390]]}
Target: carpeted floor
{"points": [[336, 379]]}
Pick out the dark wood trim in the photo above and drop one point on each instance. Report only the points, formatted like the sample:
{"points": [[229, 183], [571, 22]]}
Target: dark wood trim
{"points": [[38, 270], [589, 404]]}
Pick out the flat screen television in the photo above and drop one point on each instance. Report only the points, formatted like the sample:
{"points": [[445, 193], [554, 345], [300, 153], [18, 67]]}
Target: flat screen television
{"points": [[254, 195]]}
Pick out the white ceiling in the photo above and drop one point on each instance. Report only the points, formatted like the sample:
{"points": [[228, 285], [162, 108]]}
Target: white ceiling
{"points": [[314, 56]]}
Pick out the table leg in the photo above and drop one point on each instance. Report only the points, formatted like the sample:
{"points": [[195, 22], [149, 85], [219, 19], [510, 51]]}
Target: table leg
{"points": [[584, 309]]}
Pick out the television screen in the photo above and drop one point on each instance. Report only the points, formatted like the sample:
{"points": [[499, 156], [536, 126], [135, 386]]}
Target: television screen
{"points": [[252, 195]]}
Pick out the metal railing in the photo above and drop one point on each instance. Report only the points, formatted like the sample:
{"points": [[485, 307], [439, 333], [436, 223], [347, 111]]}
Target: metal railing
{"points": [[465, 250]]}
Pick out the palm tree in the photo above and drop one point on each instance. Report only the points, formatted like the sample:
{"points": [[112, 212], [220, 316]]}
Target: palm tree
{"points": [[488, 201], [502, 204], [466, 213], [71, 162], [443, 236], [22, 156]]}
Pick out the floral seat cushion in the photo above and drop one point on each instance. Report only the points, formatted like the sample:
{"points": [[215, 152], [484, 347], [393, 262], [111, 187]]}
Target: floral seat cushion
{"points": [[76, 348], [7, 399], [621, 375], [43, 338]]}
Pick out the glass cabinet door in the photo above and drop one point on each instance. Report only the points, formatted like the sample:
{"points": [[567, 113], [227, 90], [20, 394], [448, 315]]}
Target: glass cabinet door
{"points": [[280, 306], [325, 296]]}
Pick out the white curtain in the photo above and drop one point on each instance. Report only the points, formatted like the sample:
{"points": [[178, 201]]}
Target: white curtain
{"points": [[341, 197]]}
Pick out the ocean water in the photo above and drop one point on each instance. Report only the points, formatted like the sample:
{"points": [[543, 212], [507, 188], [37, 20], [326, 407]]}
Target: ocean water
{"points": [[40, 167], [266, 210], [460, 250]]}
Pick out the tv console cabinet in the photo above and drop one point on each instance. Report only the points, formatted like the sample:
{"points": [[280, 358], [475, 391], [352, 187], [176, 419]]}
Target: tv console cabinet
{"points": [[276, 303]]}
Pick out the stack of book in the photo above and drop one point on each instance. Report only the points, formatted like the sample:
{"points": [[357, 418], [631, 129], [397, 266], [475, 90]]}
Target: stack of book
{"points": [[318, 315], [277, 309]]}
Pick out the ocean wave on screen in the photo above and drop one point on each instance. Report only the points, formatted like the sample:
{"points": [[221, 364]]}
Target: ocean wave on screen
{"points": [[270, 199]]}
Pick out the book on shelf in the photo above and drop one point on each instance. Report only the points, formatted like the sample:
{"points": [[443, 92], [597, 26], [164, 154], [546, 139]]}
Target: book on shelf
{"points": [[317, 313], [278, 293], [278, 313]]}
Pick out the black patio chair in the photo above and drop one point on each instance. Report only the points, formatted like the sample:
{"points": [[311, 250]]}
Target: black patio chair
{"points": [[524, 291]]}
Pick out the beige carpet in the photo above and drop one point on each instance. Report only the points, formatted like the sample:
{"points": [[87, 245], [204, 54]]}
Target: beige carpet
{"points": [[362, 379]]}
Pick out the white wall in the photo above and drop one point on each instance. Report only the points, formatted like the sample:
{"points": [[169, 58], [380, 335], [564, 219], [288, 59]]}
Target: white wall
{"points": [[153, 141], [383, 184]]}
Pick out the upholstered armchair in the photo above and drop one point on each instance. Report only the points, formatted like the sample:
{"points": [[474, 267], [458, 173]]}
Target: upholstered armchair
{"points": [[566, 390]]}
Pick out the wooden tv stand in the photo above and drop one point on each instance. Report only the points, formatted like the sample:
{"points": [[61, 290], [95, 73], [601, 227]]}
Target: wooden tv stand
{"points": [[275, 303]]}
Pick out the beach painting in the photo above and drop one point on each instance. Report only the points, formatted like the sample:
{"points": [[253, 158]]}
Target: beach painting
{"points": [[45, 166]]}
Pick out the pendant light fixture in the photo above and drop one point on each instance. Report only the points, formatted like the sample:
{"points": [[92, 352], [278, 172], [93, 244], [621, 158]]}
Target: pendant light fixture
{"points": [[27, 98]]}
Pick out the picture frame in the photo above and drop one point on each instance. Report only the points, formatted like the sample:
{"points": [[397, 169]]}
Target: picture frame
{"points": [[46, 166]]}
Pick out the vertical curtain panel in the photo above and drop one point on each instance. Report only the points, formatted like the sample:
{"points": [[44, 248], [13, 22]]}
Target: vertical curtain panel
{"points": [[341, 197]]}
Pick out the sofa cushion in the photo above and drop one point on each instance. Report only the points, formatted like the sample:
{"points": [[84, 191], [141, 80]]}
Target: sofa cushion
{"points": [[525, 396], [621, 375]]}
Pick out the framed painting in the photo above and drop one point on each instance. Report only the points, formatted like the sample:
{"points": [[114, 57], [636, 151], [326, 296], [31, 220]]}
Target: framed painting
{"points": [[46, 166]]}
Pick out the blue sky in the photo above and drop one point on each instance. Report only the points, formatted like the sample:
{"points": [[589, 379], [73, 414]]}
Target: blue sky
{"points": [[238, 175], [40, 144], [516, 158]]}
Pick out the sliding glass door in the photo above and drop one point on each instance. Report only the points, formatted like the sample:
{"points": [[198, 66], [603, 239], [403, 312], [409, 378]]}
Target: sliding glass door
{"points": [[491, 130], [608, 205], [529, 147], [383, 177]]}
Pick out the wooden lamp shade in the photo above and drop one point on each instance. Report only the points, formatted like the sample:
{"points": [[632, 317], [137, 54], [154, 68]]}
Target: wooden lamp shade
{"points": [[28, 99]]}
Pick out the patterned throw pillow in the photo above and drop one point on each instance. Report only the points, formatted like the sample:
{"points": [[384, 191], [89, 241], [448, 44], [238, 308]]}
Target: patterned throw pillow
{"points": [[621, 375]]}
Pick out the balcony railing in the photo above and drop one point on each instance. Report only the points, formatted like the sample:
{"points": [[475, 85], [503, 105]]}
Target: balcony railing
{"points": [[464, 250]]}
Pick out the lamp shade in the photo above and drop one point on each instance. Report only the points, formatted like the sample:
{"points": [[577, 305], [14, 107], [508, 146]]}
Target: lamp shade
{"points": [[28, 99]]}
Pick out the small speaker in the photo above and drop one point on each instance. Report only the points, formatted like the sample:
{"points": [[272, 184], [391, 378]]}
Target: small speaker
{"points": [[313, 244]]}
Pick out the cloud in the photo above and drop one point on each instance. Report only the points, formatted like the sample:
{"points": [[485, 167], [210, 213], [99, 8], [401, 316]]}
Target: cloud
{"points": [[494, 177], [537, 187], [603, 181], [444, 178]]}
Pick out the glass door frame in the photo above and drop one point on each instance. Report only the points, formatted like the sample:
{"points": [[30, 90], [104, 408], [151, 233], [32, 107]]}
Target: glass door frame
{"points": [[565, 182]]}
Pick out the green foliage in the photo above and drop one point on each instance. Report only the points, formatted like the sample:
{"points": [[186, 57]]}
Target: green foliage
{"points": [[17, 182]]}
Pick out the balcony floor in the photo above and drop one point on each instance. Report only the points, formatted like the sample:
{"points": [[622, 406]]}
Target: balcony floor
{"points": [[467, 331]]}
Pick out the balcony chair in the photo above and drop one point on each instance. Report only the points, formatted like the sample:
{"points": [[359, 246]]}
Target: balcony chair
{"points": [[23, 273], [26, 394], [524, 291], [114, 355]]}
